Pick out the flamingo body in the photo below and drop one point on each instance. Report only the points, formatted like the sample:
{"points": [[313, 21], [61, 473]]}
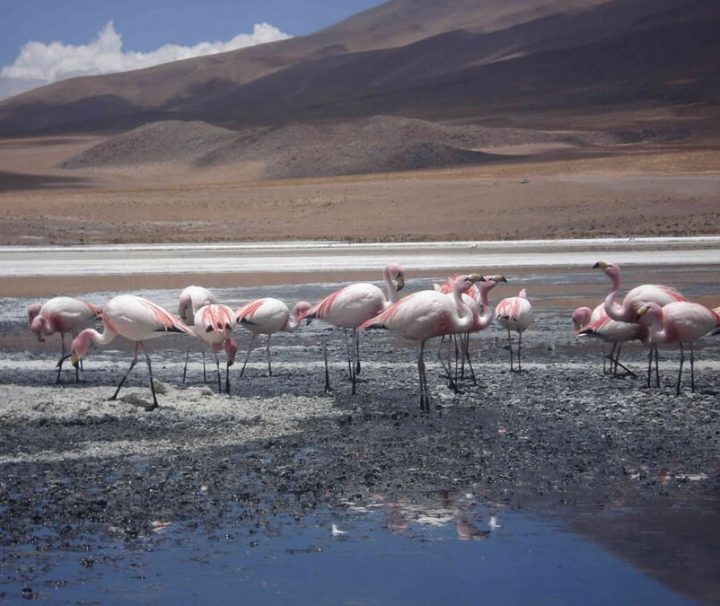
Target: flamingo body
{"points": [[267, 316], [636, 297], [213, 324], [679, 323], [427, 314], [191, 299], [136, 319], [514, 314], [61, 315]]}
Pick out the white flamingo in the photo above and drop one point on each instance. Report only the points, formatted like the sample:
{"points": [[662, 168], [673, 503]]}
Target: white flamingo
{"points": [[427, 314], [191, 299], [61, 315], [266, 317], [214, 324], [137, 320], [352, 305], [515, 314]]}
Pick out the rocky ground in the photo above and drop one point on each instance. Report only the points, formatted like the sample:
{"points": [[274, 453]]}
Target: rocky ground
{"points": [[560, 436]]}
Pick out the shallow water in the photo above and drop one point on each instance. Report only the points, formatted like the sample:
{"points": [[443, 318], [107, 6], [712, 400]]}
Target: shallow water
{"points": [[527, 559]]}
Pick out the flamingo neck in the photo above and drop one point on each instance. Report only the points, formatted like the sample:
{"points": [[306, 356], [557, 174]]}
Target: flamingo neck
{"points": [[615, 310], [81, 343], [392, 293], [465, 317], [486, 310]]}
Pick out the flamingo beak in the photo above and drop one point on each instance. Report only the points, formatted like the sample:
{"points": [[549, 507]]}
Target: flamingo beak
{"points": [[400, 281], [40, 338], [476, 278], [75, 359], [641, 312], [600, 265], [499, 279]]}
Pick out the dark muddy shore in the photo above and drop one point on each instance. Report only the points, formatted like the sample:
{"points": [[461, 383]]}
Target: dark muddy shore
{"points": [[560, 440]]}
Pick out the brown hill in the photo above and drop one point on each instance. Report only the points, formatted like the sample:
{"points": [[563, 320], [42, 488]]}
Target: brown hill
{"points": [[365, 145], [517, 61]]}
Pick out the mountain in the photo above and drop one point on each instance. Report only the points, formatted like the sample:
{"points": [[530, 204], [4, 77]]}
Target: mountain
{"points": [[530, 63]]}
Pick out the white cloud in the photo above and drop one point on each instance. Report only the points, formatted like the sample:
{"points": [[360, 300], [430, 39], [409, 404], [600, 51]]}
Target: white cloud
{"points": [[39, 63]]}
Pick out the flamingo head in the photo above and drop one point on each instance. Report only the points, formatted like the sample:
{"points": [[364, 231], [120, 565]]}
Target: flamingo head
{"points": [[301, 308], [581, 317], [32, 311], [79, 347], [462, 283], [40, 326], [231, 348], [396, 274], [611, 270], [649, 314]]}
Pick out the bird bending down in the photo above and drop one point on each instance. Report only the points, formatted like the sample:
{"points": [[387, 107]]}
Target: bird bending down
{"points": [[214, 324], [596, 323], [682, 323], [61, 315], [427, 314], [192, 298], [266, 317], [515, 314], [137, 320], [349, 307]]}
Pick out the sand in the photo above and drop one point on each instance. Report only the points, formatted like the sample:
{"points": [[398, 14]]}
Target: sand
{"points": [[620, 190]]}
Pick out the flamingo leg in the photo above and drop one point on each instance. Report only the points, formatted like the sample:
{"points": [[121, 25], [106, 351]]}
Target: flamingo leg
{"points": [[650, 361], [63, 356], [204, 369], [187, 357], [152, 382], [227, 377], [132, 365], [511, 351], [657, 366], [327, 370], [267, 353], [605, 357], [692, 368], [217, 366], [357, 351], [247, 356], [424, 395], [466, 353], [679, 378], [354, 363], [618, 363], [519, 355], [446, 367]]}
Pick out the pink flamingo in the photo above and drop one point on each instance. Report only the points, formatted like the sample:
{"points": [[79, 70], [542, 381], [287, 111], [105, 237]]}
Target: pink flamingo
{"points": [[515, 314], [477, 299], [266, 317], [214, 324], [682, 323], [597, 323], [191, 299], [63, 315], [137, 320], [427, 314], [349, 307], [636, 297]]}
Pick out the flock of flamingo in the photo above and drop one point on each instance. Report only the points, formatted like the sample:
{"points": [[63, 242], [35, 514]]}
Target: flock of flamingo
{"points": [[655, 314]]}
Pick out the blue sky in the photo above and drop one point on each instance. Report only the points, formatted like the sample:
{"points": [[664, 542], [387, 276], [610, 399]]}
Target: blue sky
{"points": [[96, 36]]}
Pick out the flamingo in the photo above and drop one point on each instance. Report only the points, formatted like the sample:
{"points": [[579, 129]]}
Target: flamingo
{"points": [[137, 320], [427, 314], [681, 322], [63, 315], [636, 297], [213, 324], [192, 298], [266, 317], [515, 314], [476, 297], [597, 323], [349, 307]]}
